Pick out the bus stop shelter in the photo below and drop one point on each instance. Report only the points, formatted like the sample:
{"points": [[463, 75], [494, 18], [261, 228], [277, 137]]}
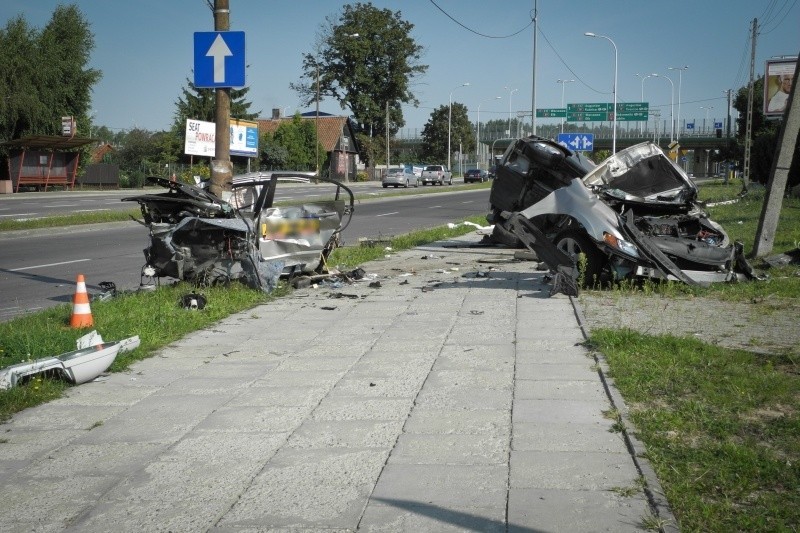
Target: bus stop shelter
{"points": [[44, 161]]}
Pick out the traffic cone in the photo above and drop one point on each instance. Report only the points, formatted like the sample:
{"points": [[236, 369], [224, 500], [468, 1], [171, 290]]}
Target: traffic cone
{"points": [[81, 312]]}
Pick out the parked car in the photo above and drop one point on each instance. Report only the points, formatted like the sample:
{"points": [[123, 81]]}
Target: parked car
{"points": [[436, 175], [399, 178], [634, 215], [492, 170], [475, 175]]}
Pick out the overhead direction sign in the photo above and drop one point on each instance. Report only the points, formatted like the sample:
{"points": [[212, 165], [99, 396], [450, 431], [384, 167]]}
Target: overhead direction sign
{"points": [[579, 142], [600, 112], [219, 59], [554, 112]]}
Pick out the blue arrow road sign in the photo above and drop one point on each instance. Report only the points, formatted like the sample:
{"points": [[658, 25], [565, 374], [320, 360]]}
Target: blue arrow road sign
{"points": [[579, 142], [219, 59], [690, 125], [718, 125]]}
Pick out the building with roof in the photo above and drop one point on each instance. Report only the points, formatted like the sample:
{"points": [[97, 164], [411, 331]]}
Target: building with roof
{"points": [[336, 136]]}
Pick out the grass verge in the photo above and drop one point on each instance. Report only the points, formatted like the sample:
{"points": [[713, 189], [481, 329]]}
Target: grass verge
{"points": [[156, 317], [720, 427]]}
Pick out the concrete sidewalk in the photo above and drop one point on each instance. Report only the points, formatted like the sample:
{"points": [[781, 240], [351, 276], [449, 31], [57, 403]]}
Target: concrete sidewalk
{"points": [[455, 396]]}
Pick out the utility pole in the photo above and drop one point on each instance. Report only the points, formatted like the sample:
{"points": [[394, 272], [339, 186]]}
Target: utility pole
{"points": [[533, 75], [387, 137], [779, 173], [221, 166], [748, 137]]}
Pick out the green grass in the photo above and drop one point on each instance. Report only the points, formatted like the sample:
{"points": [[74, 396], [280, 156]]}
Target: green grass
{"points": [[95, 217], [721, 428]]}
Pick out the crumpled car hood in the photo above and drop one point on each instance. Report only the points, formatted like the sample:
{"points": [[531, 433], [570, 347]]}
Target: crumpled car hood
{"points": [[643, 174]]}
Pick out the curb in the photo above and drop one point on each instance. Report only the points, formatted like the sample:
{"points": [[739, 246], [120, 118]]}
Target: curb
{"points": [[653, 490]]}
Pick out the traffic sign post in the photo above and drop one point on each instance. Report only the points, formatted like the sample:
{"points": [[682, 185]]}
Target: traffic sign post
{"points": [[219, 59], [580, 142]]}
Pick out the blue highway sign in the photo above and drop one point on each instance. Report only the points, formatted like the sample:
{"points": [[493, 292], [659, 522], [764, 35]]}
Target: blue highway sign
{"points": [[579, 142], [219, 59]]}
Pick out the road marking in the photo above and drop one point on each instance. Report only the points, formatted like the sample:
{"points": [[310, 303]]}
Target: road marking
{"points": [[468, 202], [387, 214], [435, 207], [62, 205], [20, 215], [48, 265], [90, 210]]}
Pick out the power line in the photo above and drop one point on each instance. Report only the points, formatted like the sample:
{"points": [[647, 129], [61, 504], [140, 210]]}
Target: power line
{"points": [[568, 67], [477, 32], [765, 30]]}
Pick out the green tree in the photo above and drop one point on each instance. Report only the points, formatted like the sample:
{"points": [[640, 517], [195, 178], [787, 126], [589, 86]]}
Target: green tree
{"points": [[292, 146], [199, 104], [366, 72], [44, 74], [434, 134]]}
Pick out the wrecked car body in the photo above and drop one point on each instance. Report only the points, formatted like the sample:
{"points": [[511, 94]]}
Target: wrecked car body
{"points": [[635, 215], [197, 237]]}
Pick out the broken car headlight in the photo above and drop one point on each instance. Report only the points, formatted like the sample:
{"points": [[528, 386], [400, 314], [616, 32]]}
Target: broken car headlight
{"points": [[620, 244]]}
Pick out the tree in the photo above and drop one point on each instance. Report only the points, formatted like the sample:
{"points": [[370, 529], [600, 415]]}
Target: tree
{"points": [[363, 73], [43, 74], [434, 134], [292, 146]]}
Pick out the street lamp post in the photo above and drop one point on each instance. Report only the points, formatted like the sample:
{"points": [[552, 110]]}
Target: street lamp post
{"points": [[671, 106], [680, 77], [450, 122], [510, 92], [613, 109], [478, 135], [707, 108], [563, 82], [642, 100]]}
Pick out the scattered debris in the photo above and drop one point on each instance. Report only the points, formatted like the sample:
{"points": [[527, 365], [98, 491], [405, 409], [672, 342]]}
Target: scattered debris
{"points": [[192, 301], [328, 307], [792, 257], [375, 285], [91, 359]]}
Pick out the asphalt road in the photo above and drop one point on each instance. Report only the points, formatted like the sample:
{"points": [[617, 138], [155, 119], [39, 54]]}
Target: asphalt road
{"points": [[38, 268]]}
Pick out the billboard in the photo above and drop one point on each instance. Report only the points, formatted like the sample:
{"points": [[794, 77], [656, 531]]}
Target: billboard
{"points": [[201, 138], [778, 76]]}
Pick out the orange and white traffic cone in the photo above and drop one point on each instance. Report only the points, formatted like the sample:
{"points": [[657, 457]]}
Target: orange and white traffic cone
{"points": [[81, 312]]}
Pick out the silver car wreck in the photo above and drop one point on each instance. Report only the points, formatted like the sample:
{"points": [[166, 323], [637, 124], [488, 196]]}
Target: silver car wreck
{"points": [[197, 237], [634, 215]]}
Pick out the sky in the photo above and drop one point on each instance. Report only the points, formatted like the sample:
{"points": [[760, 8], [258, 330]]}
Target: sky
{"points": [[144, 49]]}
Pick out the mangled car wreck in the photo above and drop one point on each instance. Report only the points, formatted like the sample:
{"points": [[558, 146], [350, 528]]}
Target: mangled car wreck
{"points": [[635, 215], [197, 237]]}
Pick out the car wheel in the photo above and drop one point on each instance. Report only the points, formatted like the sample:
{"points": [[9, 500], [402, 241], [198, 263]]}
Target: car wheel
{"points": [[574, 243], [385, 186], [406, 184], [451, 181]]}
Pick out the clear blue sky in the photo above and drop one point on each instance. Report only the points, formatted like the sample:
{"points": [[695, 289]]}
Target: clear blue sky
{"points": [[144, 50]]}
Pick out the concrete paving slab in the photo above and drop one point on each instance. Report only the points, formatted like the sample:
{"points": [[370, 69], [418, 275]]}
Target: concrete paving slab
{"points": [[553, 411], [574, 510], [564, 436], [450, 450], [581, 390], [459, 421], [595, 471], [407, 516], [325, 434], [449, 486]]}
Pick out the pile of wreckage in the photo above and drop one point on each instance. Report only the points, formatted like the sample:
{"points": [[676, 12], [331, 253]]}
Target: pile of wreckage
{"points": [[197, 237]]}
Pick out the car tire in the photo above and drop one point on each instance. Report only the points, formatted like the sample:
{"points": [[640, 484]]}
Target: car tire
{"points": [[574, 242], [406, 186], [385, 186]]}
